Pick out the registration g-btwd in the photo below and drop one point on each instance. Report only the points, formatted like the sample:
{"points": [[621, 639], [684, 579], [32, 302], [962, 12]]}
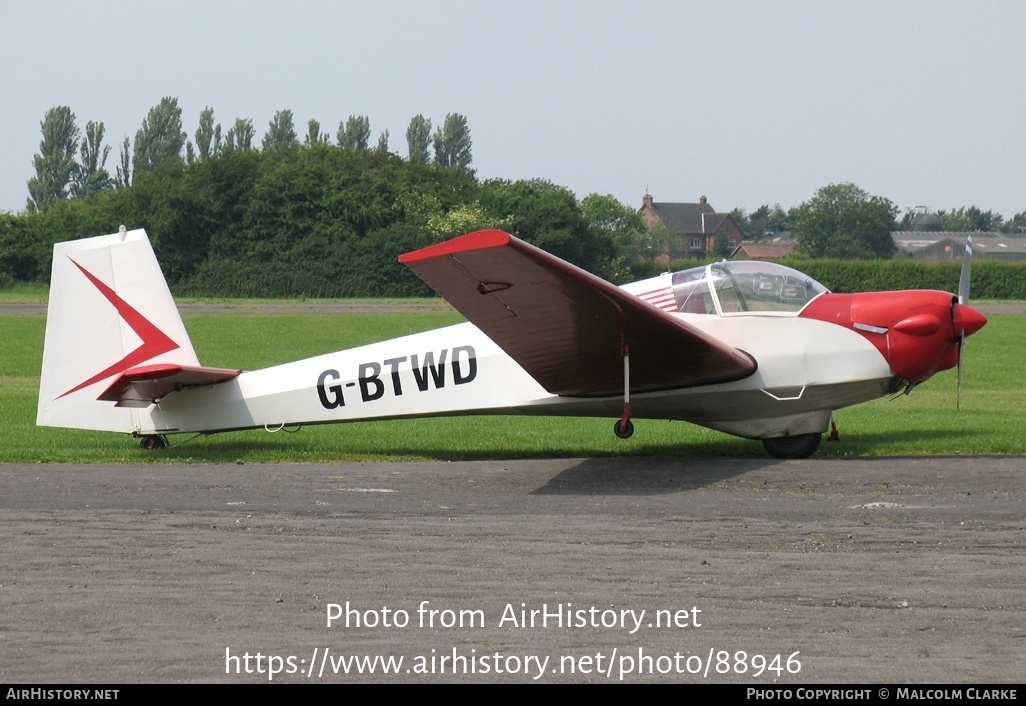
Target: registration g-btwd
{"points": [[753, 349]]}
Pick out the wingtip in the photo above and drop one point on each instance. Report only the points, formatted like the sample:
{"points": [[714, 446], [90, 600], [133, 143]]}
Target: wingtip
{"points": [[477, 240]]}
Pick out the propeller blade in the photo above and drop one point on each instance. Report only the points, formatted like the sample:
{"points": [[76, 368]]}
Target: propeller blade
{"points": [[963, 280], [963, 298]]}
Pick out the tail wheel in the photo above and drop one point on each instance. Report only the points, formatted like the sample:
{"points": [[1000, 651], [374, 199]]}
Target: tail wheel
{"points": [[152, 443], [797, 446]]}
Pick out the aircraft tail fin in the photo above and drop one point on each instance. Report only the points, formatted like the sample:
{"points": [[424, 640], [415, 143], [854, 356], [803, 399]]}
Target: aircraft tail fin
{"points": [[110, 310]]}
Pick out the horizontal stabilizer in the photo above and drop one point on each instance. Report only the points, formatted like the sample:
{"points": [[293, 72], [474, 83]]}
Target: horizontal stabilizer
{"points": [[148, 384], [567, 328]]}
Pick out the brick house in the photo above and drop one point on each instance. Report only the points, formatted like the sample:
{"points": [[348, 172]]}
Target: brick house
{"points": [[687, 230]]}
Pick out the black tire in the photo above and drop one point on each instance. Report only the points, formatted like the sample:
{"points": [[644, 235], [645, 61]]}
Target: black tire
{"points": [[626, 432], [152, 443], [797, 446]]}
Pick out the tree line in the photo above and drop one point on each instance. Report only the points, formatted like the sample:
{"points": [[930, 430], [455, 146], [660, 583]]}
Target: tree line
{"points": [[766, 222], [323, 217], [161, 139], [311, 217]]}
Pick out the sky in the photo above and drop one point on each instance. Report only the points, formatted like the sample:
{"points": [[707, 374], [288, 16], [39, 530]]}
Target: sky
{"points": [[747, 103]]}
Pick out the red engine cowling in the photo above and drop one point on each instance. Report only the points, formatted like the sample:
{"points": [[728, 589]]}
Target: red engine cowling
{"points": [[917, 331]]}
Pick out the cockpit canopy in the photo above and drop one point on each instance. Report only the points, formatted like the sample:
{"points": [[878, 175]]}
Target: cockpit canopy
{"points": [[740, 287]]}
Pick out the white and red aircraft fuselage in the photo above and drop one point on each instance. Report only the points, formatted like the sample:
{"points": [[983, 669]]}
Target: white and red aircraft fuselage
{"points": [[753, 349]]}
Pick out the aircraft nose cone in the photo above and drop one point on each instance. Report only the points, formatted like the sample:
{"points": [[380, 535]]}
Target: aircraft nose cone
{"points": [[965, 318]]}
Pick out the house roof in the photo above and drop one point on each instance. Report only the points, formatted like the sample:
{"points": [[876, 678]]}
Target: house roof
{"points": [[901, 237], [762, 251], [690, 218], [995, 244]]}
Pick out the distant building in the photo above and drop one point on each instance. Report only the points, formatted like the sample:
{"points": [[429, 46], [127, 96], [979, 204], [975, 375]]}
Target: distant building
{"points": [[687, 230], [934, 246], [750, 250]]}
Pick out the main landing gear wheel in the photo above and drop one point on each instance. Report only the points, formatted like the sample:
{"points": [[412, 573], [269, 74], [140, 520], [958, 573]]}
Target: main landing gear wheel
{"points": [[797, 446], [152, 443], [623, 431]]}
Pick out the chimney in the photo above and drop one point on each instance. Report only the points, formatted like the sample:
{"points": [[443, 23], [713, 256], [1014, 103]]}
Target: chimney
{"points": [[702, 200], [646, 201]]}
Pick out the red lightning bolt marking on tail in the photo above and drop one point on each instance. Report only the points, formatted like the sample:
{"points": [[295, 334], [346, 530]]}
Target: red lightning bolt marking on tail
{"points": [[154, 341]]}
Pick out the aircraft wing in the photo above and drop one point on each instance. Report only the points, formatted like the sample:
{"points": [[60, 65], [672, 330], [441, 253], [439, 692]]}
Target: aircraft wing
{"points": [[144, 385], [566, 327]]}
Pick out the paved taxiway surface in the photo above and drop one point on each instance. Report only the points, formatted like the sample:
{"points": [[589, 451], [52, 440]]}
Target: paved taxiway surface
{"points": [[888, 570]]}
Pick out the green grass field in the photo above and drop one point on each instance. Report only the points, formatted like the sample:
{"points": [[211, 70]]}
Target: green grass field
{"points": [[992, 418]]}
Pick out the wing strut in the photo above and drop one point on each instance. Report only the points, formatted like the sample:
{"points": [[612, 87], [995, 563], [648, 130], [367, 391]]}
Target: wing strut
{"points": [[624, 429]]}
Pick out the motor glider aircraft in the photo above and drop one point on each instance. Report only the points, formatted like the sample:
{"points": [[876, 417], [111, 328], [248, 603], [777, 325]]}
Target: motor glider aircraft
{"points": [[753, 349]]}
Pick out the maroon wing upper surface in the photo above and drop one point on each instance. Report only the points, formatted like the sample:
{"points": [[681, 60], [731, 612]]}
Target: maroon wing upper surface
{"points": [[566, 327]]}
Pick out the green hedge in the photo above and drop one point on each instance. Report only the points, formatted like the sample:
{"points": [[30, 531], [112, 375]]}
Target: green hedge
{"points": [[991, 279]]}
